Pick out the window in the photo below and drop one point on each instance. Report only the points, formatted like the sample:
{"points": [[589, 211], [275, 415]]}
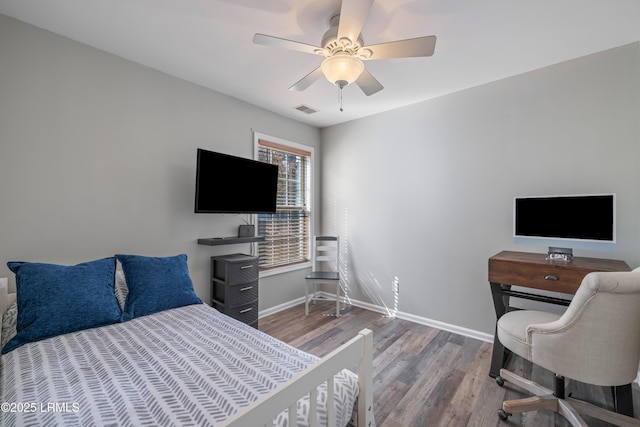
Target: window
{"points": [[287, 232]]}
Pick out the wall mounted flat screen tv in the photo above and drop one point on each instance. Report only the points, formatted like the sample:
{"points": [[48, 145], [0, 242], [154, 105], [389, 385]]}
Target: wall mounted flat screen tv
{"points": [[571, 218], [230, 184]]}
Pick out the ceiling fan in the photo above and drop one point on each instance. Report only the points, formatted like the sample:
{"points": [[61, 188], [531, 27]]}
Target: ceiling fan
{"points": [[344, 50]]}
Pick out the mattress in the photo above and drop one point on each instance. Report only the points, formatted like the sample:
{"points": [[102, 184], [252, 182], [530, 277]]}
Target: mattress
{"points": [[189, 366]]}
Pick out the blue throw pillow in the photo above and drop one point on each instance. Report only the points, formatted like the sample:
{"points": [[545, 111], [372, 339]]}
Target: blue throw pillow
{"points": [[57, 299], [156, 284]]}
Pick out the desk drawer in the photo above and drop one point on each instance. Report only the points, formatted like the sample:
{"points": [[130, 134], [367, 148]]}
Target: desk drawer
{"points": [[552, 277]]}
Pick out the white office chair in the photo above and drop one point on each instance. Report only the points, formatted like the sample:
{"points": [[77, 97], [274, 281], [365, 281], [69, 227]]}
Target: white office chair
{"points": [[325, 260], [596, 341]]}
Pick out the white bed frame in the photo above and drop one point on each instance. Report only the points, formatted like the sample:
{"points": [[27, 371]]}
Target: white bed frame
{"points": [[6, 299], [359, 350]]}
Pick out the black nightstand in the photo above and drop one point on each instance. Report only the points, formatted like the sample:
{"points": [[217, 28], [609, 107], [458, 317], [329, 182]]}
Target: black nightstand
{"points": [[234, 286]]}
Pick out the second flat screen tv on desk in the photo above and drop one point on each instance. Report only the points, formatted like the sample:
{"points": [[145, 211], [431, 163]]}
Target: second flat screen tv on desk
{"points": [[586, 221]]}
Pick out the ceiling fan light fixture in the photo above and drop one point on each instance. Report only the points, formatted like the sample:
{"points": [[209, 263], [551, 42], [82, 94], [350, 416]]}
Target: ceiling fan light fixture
{"points": [[342, 70]]}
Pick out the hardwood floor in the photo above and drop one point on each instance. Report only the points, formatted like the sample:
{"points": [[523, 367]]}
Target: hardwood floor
{"points": [[424, 376]]}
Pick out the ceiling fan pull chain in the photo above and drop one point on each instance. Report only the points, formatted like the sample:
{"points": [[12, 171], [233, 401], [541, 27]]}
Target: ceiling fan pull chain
{"points": [[340, 97]]}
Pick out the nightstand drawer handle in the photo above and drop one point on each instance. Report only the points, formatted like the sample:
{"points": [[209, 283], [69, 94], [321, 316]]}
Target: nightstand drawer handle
{"points": [[551, 277], [246, 310], [246, 266], [248, 288]]}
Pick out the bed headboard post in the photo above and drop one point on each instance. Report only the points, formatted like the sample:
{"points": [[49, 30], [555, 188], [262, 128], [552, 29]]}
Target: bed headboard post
{"points": [[4, 296]]}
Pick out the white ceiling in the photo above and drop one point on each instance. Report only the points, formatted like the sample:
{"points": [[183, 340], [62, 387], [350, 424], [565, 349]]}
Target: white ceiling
{"points": [[209, 42]]}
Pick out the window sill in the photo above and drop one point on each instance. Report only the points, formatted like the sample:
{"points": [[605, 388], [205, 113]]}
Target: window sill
{"points": [[285, 269]]}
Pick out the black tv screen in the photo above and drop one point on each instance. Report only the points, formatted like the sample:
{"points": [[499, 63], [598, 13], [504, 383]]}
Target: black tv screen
{"points": [[230, 184], [581, 217]]}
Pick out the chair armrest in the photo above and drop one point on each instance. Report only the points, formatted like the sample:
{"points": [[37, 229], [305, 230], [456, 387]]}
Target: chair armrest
{"points": [[596, 330]]}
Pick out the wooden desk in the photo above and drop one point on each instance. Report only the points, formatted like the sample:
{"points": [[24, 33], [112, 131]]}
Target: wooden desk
{"points": [[533, 270]]}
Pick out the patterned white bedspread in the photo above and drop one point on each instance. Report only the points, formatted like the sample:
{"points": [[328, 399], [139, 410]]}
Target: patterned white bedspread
{"points": [[190, 366]]}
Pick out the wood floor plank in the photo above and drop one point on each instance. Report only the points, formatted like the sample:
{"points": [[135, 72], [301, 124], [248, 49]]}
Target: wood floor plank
{"points": [[391, 353], [389, 399], [438, 409], [424, 376], [470, 388], [418, 398], [484, 411], [421, 337]]}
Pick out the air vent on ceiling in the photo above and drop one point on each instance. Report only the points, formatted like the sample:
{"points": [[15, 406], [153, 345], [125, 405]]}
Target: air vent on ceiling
{"points": [[305, 109]]}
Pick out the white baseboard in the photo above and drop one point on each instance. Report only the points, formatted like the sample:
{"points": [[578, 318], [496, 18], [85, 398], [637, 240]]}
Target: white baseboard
{"points": [[401, 315], [279, 308], [482, 336]]}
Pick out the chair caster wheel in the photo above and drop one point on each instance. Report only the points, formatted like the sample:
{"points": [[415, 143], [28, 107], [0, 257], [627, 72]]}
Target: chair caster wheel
{"points": [[500, 381], [503, 415]]}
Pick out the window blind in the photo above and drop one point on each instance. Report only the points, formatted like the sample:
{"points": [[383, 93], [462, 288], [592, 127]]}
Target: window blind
{"points": [[287, 232]]}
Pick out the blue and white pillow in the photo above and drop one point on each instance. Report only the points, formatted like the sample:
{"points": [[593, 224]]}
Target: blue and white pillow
{"points": [[156, 284], [56, 299]]}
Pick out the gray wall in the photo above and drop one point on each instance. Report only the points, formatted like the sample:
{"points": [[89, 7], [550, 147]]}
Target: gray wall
{"points": [[424, 193], [97, 156]]}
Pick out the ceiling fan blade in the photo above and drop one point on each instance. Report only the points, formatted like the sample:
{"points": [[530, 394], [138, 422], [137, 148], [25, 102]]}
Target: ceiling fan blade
{"points": [[272, 41], [420, 46], [368, 83], [307, 80], [353, 13]]}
